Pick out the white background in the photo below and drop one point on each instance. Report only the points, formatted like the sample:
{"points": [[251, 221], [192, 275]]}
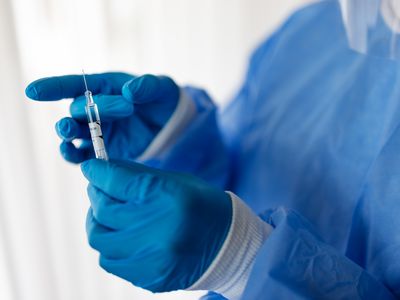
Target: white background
{"points": [[43, 248]]}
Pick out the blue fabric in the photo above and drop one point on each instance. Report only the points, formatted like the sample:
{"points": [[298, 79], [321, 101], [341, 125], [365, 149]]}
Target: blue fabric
{"points": [[200, 150], [295, 263], [374, 240], [156, 229], [315, 129]]}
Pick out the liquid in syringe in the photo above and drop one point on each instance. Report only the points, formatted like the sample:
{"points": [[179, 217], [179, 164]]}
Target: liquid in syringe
{"points": [[93, 117]]}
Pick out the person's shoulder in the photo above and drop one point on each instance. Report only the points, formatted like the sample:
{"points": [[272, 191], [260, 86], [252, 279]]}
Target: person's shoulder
{"points": [[315, 9], [312, 17], [308, 25]]}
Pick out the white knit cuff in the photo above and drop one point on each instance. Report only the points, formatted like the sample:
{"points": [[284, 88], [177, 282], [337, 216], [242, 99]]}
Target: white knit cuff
{"points": [[230, 270], [183, 114]]}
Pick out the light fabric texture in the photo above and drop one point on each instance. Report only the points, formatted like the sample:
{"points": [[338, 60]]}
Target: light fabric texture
{"points": [[314, 130], [167, 137], [230, 270]]}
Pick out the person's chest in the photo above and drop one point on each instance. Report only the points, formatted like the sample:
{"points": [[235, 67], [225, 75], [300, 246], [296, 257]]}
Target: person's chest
{"points": [[313, 130]]}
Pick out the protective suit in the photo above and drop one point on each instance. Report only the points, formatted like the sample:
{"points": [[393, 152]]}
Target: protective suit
{"points": [[310, 143], [315, 129]]}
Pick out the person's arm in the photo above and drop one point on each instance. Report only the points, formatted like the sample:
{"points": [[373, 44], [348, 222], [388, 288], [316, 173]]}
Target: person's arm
{"points": [[292, 262], [295, 263], [191, 141]]}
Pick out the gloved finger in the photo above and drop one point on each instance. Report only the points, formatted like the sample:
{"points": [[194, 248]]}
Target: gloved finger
{"points": [[118, 215], [96, 233], [71, 86], [136, 270], [150, 88], [135, 182], [77, 155], [111, 107], [116, 244], [155, 97], [108, 211], [69, 129]]}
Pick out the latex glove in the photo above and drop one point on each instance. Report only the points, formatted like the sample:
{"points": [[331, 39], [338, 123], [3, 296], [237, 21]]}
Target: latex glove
{"points": [[132, 110], [156, 229]]}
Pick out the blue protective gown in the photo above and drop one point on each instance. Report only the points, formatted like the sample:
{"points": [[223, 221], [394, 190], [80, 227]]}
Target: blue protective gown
{"points": [[314, 143]]}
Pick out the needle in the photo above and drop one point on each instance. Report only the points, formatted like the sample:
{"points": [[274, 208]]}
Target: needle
{"points": [[84, 80]]}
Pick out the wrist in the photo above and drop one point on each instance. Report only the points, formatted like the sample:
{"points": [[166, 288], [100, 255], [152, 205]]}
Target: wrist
{"points": [[197, 146], [229, 272], [182, 116]]}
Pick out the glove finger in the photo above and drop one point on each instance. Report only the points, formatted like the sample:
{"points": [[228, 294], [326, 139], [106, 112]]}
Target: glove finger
{"points": [[117, 244], [69, 129], [144, 270], [97, 234], [135, 182], [77, 155], [71, 86], [154, 97], [118, 215], [150, 88], [109, 212], [110, 107]]}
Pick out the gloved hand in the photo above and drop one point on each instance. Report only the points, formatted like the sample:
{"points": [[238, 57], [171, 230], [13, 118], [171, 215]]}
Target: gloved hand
{"points": [[132, 110], [159, 230]]}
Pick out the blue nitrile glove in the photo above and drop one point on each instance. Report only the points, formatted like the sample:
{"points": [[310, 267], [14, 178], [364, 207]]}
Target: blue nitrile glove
{"points": [[159, 230], [132, 110]]}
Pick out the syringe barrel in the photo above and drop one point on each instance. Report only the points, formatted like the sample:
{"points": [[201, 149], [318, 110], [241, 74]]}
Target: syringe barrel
{"points": [[92, 113], [95, 131]]}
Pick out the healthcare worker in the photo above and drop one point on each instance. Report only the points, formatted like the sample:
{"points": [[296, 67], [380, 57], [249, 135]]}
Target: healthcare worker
{"points": [[308, 153]]}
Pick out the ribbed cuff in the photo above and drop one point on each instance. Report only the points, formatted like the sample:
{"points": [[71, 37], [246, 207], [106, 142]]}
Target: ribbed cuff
{"points": [[230, 270], [183, 114]]}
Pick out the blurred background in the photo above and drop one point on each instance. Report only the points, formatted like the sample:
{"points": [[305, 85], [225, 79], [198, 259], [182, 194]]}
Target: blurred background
{"points": [[43, 203]]}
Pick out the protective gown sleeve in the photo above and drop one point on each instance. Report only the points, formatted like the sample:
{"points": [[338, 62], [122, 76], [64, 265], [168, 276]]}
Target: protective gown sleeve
{"points": [[191, 140], [374, 240], [295, 263]]}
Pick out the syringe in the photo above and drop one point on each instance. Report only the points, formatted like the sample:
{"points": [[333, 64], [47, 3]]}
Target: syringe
{"points": [[94, 124]]}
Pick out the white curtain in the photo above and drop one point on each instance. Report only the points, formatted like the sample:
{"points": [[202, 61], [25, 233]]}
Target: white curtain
{"points": [[43, 203]]}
